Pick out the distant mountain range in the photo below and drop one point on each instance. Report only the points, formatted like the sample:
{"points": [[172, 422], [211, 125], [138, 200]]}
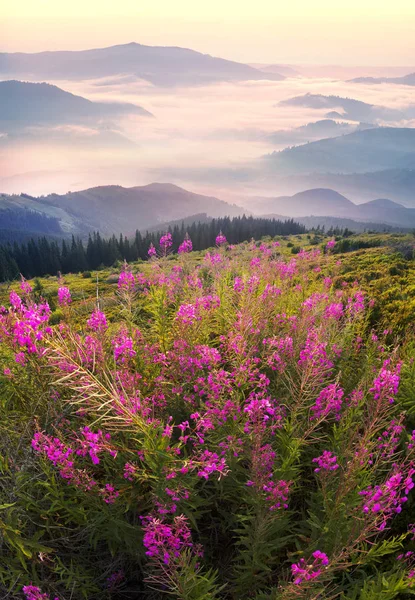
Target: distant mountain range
{"points": [[286, 70], [405, 80], [359, 152], [163, 66], [346, 108], [329, 203], [115, 209], [395, 184], [25, 104], [318, 130]]}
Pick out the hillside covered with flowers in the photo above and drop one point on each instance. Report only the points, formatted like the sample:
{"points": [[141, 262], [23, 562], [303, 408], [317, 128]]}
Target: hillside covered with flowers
{"points": [[232, 424]]}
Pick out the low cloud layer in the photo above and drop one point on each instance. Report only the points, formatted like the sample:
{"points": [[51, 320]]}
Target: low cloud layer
{"points": [[208, 138]]}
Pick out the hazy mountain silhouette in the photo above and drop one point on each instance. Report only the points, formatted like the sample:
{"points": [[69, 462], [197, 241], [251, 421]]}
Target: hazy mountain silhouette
{"points": [[347, 108], [25, 104], [359, 152], [311, 132], [286, 70], [329, 203], [114, 208], [163, 66], [405, 80], [396, 184]]}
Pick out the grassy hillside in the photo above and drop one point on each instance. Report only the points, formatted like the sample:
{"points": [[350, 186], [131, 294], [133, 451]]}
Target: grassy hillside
{"points": [[231, 424]]}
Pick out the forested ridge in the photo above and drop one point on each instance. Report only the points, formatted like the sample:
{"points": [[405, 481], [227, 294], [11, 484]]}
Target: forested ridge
{"points": [[43, 256]]}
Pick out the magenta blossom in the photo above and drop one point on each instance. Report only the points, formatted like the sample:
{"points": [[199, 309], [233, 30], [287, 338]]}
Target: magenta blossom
{"points": [[97, 321], [221, 239], [166, 242], [152, 251], [126, 280], [386, 500], [64, 296], [165, 542], [32, 592], [25, 286], [186, 246], [303, 571], [327, 461]]}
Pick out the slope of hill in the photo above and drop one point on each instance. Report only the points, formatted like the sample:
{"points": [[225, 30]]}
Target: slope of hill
{"points": [[20, 224], [329, 203], [117, 209], [340, 223], [23, 104], [318, 130], [349, 108], [405, 80], [309, 202], [359, 152], [157, 64]]}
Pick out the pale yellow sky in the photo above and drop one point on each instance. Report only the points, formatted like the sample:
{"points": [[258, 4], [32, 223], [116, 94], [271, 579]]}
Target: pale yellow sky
{"points": [[349, 32]]}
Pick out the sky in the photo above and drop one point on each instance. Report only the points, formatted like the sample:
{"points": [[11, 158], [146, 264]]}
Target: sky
{"points": [[348, 32]]}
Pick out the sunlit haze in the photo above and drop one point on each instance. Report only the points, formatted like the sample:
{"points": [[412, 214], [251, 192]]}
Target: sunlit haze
{"points": [[368, 32]]}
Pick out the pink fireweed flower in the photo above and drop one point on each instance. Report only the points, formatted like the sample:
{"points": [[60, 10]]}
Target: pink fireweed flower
{"points": [[25, 286], [32, 592], [188, 314], [271, 291], [126, 280], [20, 358], [262, 413], [166, 242], [386, 384], [277, 493], [389, 440], [186, 246], [214, 259], [314, 300], [334, 311], [411, 443], [109, 494], [221, 239], [165, 542], [327, 461], [61, 456], [92, 443], [328, 402], [97, 321], [15, 300], [64, 296], [210, 462], [314, 355], [356, 304], [238, 284], [255, 262], [151, 251], [330, 244], [123, 347], [303, 571], [386, 500], [130, 471]]}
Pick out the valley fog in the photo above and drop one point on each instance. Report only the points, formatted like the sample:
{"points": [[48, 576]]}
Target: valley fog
{"points": [[209, 139]]}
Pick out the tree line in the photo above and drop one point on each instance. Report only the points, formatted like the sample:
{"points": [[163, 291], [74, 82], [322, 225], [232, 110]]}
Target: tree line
{"points": [[43, 256]]}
